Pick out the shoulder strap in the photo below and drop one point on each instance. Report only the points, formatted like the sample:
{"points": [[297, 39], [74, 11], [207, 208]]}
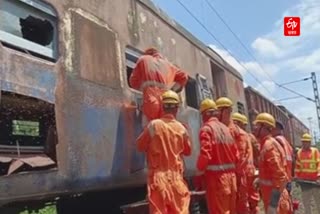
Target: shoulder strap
{"points": [[279, 139]]}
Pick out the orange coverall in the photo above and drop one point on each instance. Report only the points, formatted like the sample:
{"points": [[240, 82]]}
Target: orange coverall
{"points": [[245, 166], [254, 196], [288, 154], [272, 174], [153, 75], [218, 157], [165, 141]]}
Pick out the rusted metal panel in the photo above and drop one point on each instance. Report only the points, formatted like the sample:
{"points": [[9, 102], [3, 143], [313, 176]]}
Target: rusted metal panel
{"points": [[96, 50], [28, 77]]}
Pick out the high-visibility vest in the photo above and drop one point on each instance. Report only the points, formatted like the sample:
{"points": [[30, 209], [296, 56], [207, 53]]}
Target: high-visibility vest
{"points": [[307, 165]]}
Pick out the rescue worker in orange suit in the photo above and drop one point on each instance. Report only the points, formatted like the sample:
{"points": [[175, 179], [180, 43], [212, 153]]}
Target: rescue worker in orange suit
{"points": [[308, 168], [240, 137], [272, 172], [165, 141], [250, 170], [278, 135], [217, 160], [153, 75]]}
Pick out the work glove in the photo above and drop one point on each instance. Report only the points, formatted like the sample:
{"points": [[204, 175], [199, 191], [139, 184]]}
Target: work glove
{"points": [[289, 186], [271, 210]]}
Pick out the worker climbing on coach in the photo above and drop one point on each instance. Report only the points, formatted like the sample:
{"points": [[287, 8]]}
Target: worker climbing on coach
{"points": [[272, 179], [278, 135], [153, 75], [165, 141], [240, 137], [250, 171], [308, 169], [217, 159]]}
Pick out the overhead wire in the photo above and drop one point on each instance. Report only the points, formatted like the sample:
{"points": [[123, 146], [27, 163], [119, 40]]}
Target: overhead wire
{"points": [[218, 41], [249, 52], [304, 79]]}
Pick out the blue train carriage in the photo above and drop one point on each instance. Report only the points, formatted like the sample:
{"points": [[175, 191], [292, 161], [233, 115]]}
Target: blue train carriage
{"points": [[69, 118]]}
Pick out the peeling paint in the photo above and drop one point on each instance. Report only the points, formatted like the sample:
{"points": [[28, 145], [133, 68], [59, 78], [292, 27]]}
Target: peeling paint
{"points": [[119, 59], [159, 42], [173, 41], [68, 31], [143, 18], [68, 41], [155, 24]]}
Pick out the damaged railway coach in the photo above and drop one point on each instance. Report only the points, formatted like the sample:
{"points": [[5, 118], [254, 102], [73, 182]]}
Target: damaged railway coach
{"points": [[68, 116]]}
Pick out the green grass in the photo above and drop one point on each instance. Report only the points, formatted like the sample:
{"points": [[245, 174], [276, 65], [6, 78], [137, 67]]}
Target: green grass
{"points": [[46, 210]]}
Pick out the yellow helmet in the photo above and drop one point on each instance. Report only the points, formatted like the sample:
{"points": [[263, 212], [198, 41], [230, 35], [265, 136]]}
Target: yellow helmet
{"points": [[170, 97], [238, 117], [245, 119], [306, 137], [223, 102], [265, 118], [207, 104]]}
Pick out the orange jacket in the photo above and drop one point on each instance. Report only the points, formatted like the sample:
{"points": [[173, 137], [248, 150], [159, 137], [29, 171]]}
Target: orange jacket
{"points": [[164, 141], [272, 171], [242, 140], [155, 71], [288, 154], [308, 164], [255, 149], [218, 153]]}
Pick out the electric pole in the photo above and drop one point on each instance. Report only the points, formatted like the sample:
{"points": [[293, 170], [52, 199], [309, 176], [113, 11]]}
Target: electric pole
{"points": [[316, 95], [310, 126]]}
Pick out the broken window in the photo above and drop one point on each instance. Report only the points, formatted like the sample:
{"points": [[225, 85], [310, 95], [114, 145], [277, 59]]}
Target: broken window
{"points": [[29, 26], [191, 90], [28, 134], [205, 91], [240, 108], [132, 56]]}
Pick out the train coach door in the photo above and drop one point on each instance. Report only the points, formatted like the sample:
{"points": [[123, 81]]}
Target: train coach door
{"points": [[137, 162]]}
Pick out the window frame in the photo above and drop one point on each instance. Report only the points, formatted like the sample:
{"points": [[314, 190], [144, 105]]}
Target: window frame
{"points": [[240, 107], [202, 91], [40, 9], [196, 94], [134, 53]]}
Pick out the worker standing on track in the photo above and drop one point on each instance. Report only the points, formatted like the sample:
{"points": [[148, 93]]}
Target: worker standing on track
{"points": [[278, 135], [217, 159], [250, 169], [240, 137], [153, 75], [272, 172], [165, 141], [308, 168]]}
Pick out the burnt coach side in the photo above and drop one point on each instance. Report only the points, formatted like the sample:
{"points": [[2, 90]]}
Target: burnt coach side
{"points": [[84, 116]]}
